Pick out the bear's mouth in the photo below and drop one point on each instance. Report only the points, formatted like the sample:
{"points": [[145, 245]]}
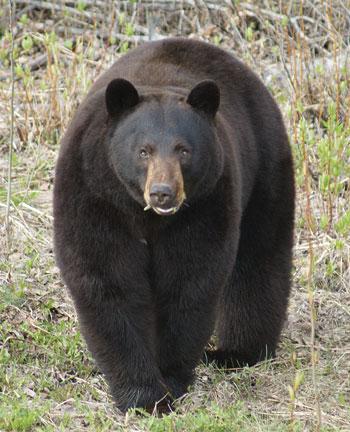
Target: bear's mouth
{"points": [[163, 211]]}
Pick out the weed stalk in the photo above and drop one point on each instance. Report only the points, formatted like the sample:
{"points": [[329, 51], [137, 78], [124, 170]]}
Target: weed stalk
{"points": [[10, 151]]}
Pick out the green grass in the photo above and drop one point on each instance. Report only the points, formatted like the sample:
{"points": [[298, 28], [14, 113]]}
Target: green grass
{"points": [[233, 418]]}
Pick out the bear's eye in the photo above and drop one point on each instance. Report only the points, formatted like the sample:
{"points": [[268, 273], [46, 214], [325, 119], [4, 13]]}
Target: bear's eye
{"points": [[144, 154], [182, 151]]}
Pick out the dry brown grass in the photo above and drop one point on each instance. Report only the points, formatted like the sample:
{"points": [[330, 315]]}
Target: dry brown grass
{"points": [[301, 51]]}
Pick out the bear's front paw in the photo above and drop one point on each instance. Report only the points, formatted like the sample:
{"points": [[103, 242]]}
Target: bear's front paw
{"points": [[150, 398]]}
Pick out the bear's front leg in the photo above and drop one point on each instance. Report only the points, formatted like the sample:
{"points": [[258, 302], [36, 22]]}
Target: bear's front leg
{"points": [[192, 266], [106, 271], [185, 328], [120, 339]]}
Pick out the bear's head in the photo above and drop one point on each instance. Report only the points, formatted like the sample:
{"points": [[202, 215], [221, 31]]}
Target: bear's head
{"points": [[163, 146]]}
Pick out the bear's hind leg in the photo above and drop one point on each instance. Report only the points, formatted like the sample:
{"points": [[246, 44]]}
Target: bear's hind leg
{"points": [[254, 302], [251, 316]]}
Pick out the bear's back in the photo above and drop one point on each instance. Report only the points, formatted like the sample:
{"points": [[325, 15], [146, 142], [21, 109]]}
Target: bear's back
{"points": [[182, 63]]}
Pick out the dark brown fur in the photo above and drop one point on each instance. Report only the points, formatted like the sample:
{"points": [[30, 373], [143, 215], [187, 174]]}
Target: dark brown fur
{"points": [[149, 289]]}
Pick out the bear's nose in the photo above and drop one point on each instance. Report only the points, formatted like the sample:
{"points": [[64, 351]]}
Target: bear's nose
{"points": [[161, 194]]}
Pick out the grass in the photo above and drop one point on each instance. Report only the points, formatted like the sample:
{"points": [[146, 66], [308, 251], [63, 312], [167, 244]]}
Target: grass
{"points": [[48, 381]]}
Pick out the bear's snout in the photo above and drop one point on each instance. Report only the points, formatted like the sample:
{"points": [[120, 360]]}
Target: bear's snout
{"points": [[164, 188]]}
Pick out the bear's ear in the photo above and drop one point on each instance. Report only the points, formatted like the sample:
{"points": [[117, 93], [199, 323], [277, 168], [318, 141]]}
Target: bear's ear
{"points": [[120, 96], [205, 96]]}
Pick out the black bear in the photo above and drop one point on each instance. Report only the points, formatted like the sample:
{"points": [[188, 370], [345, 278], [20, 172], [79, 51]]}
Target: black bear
{"points": [[173, 217]]}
